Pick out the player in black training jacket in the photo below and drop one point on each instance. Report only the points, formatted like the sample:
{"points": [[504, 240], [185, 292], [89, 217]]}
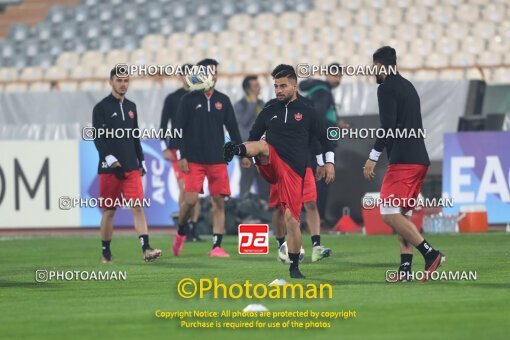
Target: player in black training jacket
{"points": [[169, 148], [201, 117], [283, 157], [121, 164], [399, 108]]}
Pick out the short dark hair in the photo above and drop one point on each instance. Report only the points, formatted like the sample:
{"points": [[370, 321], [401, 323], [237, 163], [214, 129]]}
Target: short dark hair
{"points": [[113, 72], [385, 55], [335, 69], [286, 74], [280, 68], [208, 62], [246, 82]]}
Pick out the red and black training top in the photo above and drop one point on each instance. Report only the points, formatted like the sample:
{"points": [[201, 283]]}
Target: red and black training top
{"points": [[288, 128], [201, 119]]}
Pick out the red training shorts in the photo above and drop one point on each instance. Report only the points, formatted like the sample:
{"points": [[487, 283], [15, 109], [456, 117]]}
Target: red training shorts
{"points": [[309, 190], [217, 177], [403, 181], [111, 188], [288, 184]]}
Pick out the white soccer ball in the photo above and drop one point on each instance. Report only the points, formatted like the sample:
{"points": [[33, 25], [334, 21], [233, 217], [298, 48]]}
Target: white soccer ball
{"points": [[283, 253], [200, 81]]}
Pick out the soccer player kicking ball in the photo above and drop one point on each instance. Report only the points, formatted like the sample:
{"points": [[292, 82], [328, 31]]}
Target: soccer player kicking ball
{"points": [[399, 107], [201, 116], [282, 158], [309, 192], [121, 165]]}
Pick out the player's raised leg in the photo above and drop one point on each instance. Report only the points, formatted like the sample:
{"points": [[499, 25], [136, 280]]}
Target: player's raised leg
{"points": [[247, 149]]}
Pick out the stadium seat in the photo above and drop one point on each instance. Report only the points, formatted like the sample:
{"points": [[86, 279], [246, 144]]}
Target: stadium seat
{"points": [[240, 23], [484, 29], [489, 58], [442, 14], [265, 22], [436, 60], [289, 21], [9, 74], [390, 16], [81, 72], [68, 60], [55, 73], [141, 56], [447, 46], [39, 86], [472, 45], [416, 15], [316, 20], [431, 31], [462, 59], [153, 42], [340, 19], [15, 87], [410, 60], [116, 57], [178, 41], [467, 13]]}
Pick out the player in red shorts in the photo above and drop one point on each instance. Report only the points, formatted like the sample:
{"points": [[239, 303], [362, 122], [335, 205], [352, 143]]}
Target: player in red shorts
{"points": [[121, 165], [169, 148], [319, 252], [399, 108], [283, 157], [201, 116]]}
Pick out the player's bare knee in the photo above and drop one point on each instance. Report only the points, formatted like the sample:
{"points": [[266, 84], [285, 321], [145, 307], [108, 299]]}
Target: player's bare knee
{"points": [[137, 210], [310, 206], [109, 213], [219, 202], [388, 219]]}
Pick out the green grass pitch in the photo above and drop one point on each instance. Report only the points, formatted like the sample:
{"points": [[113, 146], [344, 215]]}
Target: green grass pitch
{"points": [[125, 309]]}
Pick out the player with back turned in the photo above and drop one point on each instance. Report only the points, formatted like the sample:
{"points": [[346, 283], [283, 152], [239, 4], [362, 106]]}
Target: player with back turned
{"points": [[283, 157], [121, 165], [399, 108]]}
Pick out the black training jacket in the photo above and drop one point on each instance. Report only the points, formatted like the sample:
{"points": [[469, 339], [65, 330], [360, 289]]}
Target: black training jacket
{"points": [[169, 112], [110, 113], [201, 120], [289, 128], [399, 108]]}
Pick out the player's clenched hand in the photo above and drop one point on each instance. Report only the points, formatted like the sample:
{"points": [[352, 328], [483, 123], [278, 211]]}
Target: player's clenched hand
{"points": [[245, 162], [118, 171], [368, 169], [183, 165], [168, 155], [330, 172], [320, 172]]}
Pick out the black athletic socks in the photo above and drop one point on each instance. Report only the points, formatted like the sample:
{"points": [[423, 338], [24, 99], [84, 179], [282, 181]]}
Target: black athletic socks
{"points": [[427, 251], [294, 258], [280, 240], [106, 247], [316, 240], [406, 261], [217, 240], [144, 240], [182, 229]]}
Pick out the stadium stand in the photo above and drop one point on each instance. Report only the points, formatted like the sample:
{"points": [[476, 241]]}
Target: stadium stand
{"points": [[63, 41]]}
